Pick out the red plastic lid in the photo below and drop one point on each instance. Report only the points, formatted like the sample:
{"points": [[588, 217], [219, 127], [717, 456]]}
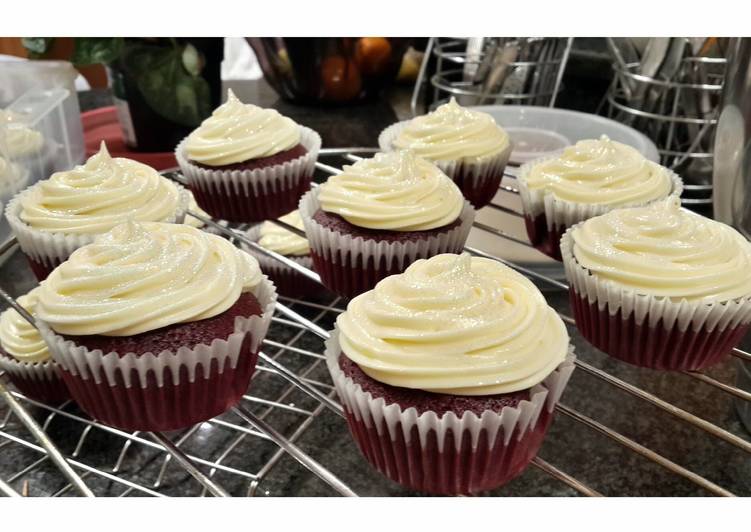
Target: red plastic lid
{"points": [[102, 125]]}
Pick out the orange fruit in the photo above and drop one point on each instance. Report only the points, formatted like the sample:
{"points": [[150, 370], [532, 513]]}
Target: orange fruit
{"points": [[341, 79], [372, 55]]}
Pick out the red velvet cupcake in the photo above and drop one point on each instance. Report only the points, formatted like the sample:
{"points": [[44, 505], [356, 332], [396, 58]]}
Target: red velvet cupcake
{"points": [[586, 180], [156, 326], [54, 217], [380, 215], [288, 281], [467, 145], [449, 373], [659, 286], [25, 357], [248, 164]]}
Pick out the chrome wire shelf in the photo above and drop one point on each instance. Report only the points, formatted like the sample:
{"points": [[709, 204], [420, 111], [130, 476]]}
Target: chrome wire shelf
{"points": [[288, 434]]}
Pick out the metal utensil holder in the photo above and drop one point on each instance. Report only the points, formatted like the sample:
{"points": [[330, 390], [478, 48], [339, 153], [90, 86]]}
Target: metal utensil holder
{"points": [[679, 116], [533, 78]]}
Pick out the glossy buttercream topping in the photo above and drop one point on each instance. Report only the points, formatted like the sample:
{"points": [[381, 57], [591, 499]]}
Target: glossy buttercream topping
{"points": [[395, 191], [664, 250], [237, 132], [276, 238], [602, 172], [18, 337], [12, 177], [452, 132], [94, 197], [454, 324], [143, 276], [20, 139], [193, 207]]}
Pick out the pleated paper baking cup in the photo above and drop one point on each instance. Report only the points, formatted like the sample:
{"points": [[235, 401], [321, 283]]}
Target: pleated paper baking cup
{"points": [[547, 217], [349, 265], [252, 195], [168, 390], [478, 181], [39, 380], [288, 282], [46, 250], [442, 453], [651, 331]]}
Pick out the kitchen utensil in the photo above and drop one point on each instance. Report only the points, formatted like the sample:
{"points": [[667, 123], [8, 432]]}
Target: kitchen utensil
{"points": [[523, 71]]}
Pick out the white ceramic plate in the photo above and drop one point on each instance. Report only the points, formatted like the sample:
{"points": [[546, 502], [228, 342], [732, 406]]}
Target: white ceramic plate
{"points": [[561, 125]]}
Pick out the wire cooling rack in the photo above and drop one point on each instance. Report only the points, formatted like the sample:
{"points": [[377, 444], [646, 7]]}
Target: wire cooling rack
{"points": [[619, 430]]}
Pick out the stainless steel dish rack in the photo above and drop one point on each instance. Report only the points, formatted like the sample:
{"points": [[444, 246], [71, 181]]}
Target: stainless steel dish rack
{"points": [[59, 451]]}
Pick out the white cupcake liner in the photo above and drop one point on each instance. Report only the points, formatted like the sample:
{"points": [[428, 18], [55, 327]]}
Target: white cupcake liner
{"points": [[34, 371], [104, 368], [259, 181], [609, 294], [53, 248], [374, 411], [565, 213], [477, 172], [342, 249]]}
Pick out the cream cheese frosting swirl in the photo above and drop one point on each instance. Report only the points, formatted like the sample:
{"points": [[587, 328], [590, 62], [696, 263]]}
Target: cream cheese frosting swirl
{"points": [[18, 337], [20, 139], [394, 191], [278, 239], [452, 132], [237, 132], [664, 250], [602, 172], [194, 207], [94, 197], [143, 276], [12, 177], [454, 324]]}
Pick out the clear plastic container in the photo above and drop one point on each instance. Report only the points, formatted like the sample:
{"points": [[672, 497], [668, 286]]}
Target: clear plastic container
{"points": [[39, 135], [44, 93]]}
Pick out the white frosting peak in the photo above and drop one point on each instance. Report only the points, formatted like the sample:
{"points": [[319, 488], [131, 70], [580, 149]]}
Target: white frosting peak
{"points": [[278, 239], [602, 172], [395, 191], [94, 197], [664, 250], [20, 139], [237, 132], [452, 132], [144, 276], [20, 339], [454, 324]]}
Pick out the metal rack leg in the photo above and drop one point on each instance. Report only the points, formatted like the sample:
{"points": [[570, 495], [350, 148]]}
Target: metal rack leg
{"points": [[54, 453], [215, 489], [6, 490], [295, 452]]}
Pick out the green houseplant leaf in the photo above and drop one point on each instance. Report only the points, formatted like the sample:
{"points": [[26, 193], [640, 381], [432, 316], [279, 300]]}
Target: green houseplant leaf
{"points": [[94, 50], [37, 46], [166, 85]]}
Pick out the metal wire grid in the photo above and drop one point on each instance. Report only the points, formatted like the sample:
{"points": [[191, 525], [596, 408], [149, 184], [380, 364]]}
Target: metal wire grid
{"points": [[239, 451]]}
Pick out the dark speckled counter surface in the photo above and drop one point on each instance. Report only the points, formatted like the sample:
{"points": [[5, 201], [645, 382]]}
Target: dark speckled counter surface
{"points": [[577, 449]]}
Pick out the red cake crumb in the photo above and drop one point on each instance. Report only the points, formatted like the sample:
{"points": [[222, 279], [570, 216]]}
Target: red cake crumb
{"points": [[338, 224], [424, 401], [171, 337]]}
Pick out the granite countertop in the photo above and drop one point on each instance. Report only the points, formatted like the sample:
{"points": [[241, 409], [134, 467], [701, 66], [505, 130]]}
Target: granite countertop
{"points": [[576, 449]]}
